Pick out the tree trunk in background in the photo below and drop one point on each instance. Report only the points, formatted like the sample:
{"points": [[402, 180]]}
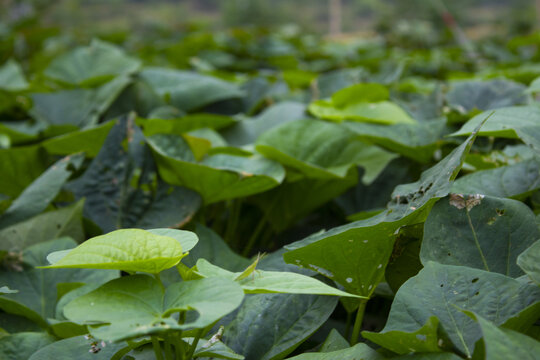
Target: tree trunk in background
{"points": [[335, 16]]}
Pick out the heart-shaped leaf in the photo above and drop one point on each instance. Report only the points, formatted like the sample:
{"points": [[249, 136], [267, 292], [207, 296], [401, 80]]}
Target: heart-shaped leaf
{"points": [[487, 235], [443, 290], [138, 305], [127, 249]]}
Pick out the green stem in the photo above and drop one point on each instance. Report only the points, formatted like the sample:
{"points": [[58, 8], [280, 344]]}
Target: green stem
{"points": [[179, 346], [358, 322], [157, 348], [194, 344], [168, 349], [254, 236], [348, 324]]}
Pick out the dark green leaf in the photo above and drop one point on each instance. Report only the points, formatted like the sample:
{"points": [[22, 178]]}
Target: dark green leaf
{"points": [[489, 236], [270, 326], [21, 345]]}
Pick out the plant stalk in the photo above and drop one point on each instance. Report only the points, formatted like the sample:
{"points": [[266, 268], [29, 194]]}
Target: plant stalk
{"points": [[157, 348], [193, 346], [358, 322], [168, 348]]}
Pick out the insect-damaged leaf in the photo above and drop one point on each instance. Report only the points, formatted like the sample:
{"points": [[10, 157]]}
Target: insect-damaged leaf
{"points": [[77, 347], [516, 180], [127, 249], [138, 305], [443, 290], [355, 255], [121, 190], [487, 235]]}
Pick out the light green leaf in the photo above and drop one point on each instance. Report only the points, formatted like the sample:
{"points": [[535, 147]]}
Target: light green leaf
{"points": [[529, 261], [12, 77], [360, 93], [321, 150], [383, 112], [517, 181], [187, 239], [127, 249], [262, 282], [21, 345], [358, 351], [137, 305], [38, 195], [442, 290], [489, 236], [90, 65], [502, 344], [425, 339]]}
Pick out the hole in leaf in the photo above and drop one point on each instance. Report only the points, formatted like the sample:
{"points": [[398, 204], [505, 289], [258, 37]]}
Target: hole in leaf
{"points": [[442, 285], [474, 280], [449, 254], [477, 293], [500, 212]]}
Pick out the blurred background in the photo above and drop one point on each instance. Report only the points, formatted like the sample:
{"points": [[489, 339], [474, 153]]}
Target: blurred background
{"points": [[478, 17]]}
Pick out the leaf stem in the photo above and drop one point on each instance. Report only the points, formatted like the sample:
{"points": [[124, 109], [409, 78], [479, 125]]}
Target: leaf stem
{"points": [[168, 349], [358, 322], [157, 348], [194, 343]]}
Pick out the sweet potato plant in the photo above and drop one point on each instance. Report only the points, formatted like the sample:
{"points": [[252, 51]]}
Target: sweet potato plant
{"points": [[268, 196]]}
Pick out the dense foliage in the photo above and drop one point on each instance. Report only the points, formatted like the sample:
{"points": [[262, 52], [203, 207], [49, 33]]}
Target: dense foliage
{"points": [[394, 190]]}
